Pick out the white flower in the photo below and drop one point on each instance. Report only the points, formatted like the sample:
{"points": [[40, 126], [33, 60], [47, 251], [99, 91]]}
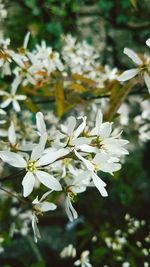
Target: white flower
{"points": [[126, 264], [40, 123], [71, 134], [12, 135], [102, 162], [5, 57], [71, 212], [12, 98], [103, 139], [47, 58], [78, 57], [21, 58], [68, 251], [96, 180], [33, 166], [143, 67], [40, 206], [84, 260], [75, 185]]}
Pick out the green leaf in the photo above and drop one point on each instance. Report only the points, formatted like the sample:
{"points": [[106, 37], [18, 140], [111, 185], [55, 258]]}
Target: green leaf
{"points": [[60, 99]]}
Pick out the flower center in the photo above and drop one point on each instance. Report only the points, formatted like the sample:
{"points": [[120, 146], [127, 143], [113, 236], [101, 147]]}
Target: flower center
{"points": [[31, 166], [66, 162], [52, 56], [144, 67]]}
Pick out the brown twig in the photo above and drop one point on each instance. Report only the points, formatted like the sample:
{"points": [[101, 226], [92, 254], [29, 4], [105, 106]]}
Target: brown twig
{"points": [[14, 195]]}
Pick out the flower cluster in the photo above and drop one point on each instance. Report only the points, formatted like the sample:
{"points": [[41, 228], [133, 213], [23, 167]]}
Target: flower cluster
{"points": [[82, 58], [124, 240], [39, 67], [68, 160]]}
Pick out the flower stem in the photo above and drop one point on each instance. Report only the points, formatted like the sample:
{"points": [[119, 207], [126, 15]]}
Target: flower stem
{"points": [[14, 195]]}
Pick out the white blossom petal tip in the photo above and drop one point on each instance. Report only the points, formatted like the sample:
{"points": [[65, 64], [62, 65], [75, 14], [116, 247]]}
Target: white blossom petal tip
{"points": [[13, 159], [48, 180], [127, 75], [148, 42], [131, 54], [28, 184]]}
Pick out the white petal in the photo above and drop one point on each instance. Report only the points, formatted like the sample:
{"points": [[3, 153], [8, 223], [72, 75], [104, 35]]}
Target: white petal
{"points": [[87, 163], [80, 141], [51, 157], [12, 134], [48, 180], [26, 40], [71, 125], [110, 167], [13, 159], [105, 130], [99, 119], [88, 148], [6, 103], [77, 263], [131, 54], [80, 129], [28, 183], [18, 60], [71, 212], [36, 201], [26, 147], [15, 84], [115, 146], [148, 42], [147, 81], [38, 149], [16, 105], [21, 97], [40, 123], [2, 112], [3, 133], [46, 195], [100, 185], [35, 228], [127, 75], [85, 175], [2, 122], [3, 93], [46, 206]]}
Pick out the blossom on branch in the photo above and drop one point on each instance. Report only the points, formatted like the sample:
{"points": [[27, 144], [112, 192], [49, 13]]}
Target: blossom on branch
{"points": [[143, 67]]}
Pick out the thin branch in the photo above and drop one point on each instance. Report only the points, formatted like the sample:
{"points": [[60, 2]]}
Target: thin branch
{"points": [[14, 195], [12, 176], [88, 98]]}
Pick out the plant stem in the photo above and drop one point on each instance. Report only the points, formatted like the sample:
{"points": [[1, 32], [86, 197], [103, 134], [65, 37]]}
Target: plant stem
{"points": [[14, 195]]}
